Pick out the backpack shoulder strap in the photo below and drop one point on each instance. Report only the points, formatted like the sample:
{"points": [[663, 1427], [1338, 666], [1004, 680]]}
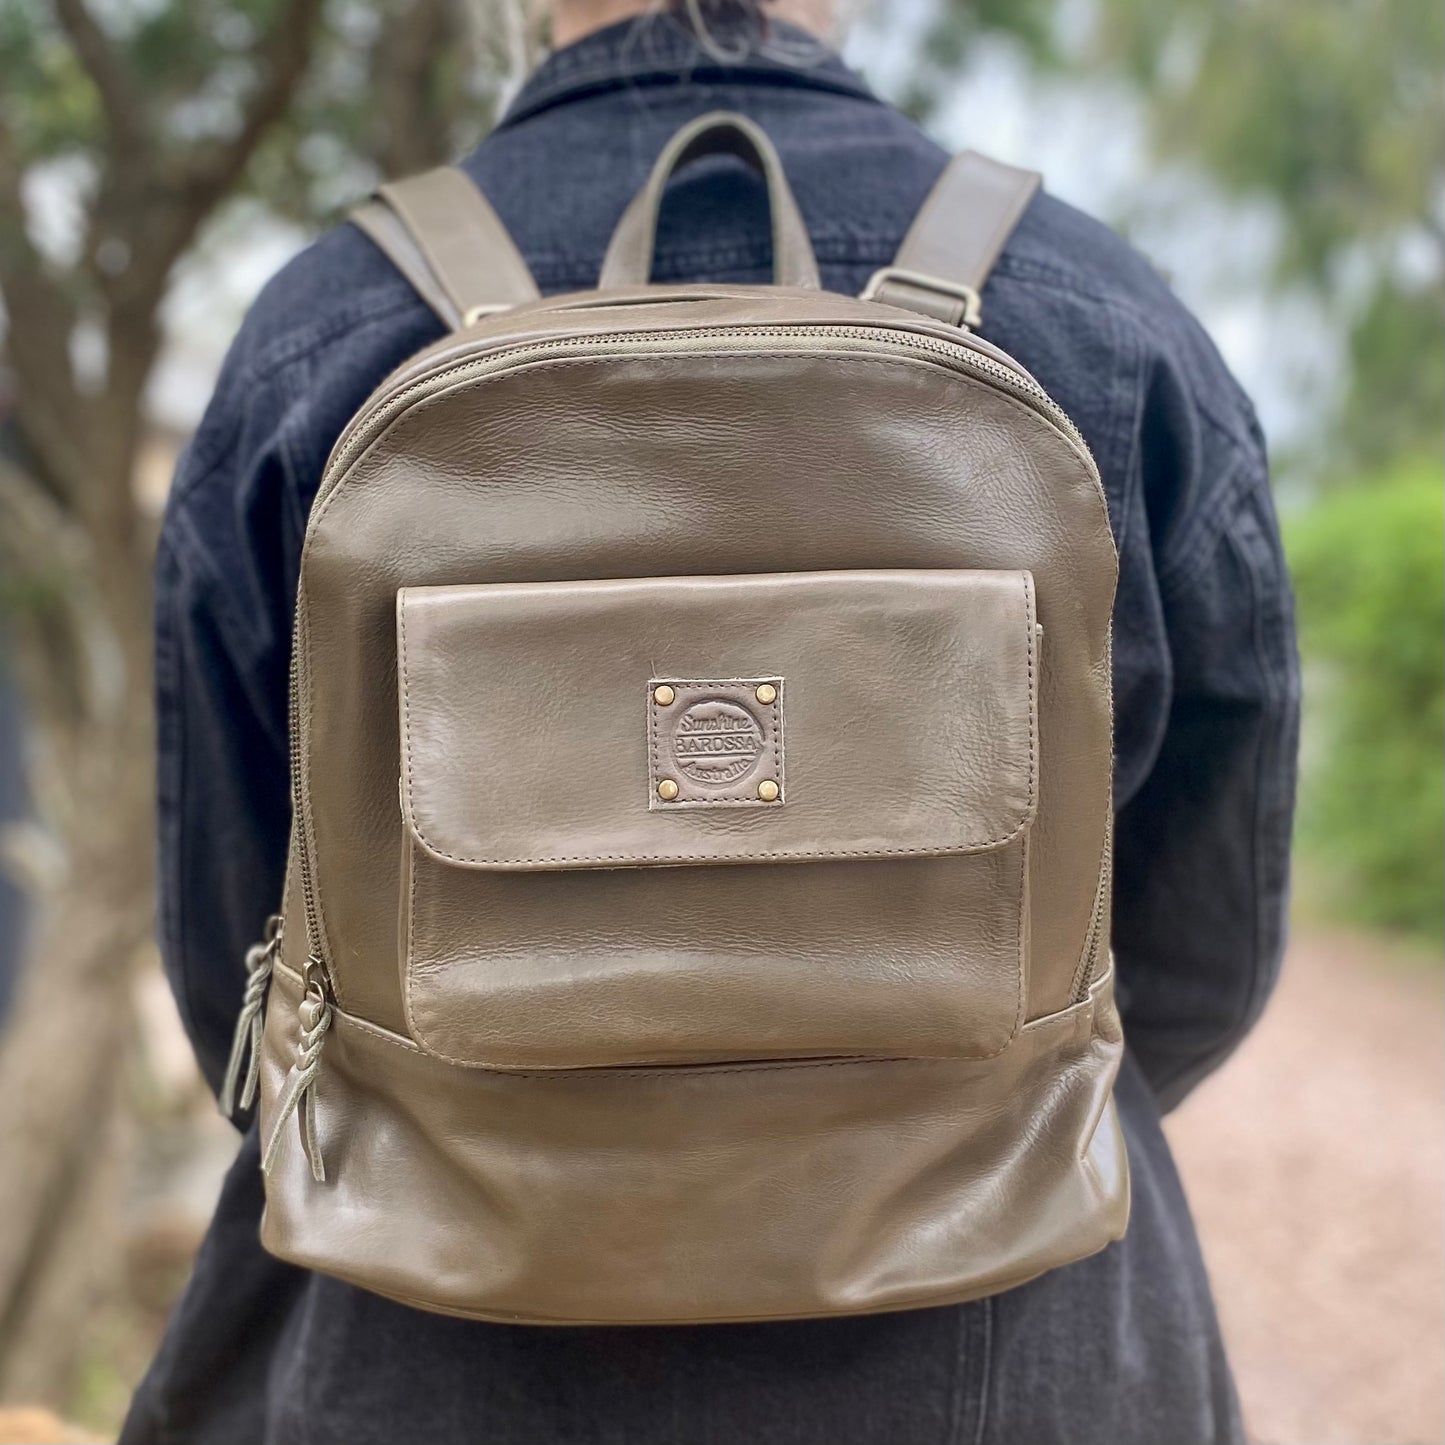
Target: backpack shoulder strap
{"points": [[442, 234], [955, 239]]}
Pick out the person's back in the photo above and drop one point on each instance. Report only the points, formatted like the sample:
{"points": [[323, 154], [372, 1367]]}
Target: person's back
{"points": [[1120, 1347]]}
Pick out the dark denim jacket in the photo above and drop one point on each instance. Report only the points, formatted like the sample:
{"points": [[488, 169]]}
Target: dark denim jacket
{"points": [[1206, 698]]}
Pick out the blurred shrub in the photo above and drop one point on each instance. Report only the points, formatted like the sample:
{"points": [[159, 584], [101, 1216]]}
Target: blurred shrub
{"points": [[1369, 569]]}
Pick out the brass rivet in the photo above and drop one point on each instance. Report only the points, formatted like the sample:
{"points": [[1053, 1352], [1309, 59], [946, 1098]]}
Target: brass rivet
{"points": [[667, 790], [767, 693], [768, 791], [664, 696]]}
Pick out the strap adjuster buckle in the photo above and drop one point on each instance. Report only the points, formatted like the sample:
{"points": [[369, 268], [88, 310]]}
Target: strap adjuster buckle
{"points": [[474, 314], [956, 290]]}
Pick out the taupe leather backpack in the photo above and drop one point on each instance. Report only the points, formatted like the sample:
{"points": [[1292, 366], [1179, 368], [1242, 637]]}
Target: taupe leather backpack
{"points": [[698, 896]]}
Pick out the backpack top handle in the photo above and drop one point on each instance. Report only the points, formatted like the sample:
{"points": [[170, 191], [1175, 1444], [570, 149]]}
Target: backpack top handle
{"points": [[629, 255]]}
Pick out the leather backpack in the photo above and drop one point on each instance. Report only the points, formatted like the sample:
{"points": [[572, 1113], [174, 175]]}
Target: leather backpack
{"points": [[697, 906]]}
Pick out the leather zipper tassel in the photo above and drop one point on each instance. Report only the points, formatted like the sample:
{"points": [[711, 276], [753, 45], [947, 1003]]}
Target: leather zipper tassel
{"points": [[299, 1095], [251, 1021]]}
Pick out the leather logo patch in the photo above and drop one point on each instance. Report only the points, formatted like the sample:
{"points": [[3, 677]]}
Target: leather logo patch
{"points": [[715, 742]]}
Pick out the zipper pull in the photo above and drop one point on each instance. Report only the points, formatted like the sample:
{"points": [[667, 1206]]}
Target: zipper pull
{"points": [[250, 1022], [299, 1097]]}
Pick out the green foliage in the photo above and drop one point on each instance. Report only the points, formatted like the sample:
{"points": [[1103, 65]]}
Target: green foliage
{"points": [[1331, 109], [1396, 392], [51, 101], [956, 25], [395, 86], [1369, 569], [1332, 106], [390, 85]]}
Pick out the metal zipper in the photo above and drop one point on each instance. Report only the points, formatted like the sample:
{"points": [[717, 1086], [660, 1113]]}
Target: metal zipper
{"points": [[318, 995], [961, 356], [315, 945], [1084, 976], [369, 424], [434, 361]]}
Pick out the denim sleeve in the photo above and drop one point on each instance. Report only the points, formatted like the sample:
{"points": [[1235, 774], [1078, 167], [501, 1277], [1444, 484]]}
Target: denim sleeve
{"points": [[222, 775], [1202, 848], [321, 335]]}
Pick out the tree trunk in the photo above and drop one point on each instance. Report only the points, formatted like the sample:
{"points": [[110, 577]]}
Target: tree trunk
{"points": [[62, 1201], [82, 650], [61, 1077]]}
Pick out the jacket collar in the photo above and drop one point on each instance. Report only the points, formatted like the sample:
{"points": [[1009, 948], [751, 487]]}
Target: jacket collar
{"points": [[660, 50]]}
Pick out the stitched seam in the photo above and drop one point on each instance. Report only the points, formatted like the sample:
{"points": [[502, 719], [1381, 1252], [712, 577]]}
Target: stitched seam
{"points": [[894, 1306], [1083, 970], [1031, 643], [1060, 1021], [1252, 1000], [286, 452], [985, 1380], [1146, 324], [1021, 952], [1030, 272], [848, 250], [1021, 960], [1248, 1006], [195, 565], [171, 764], [1126, 436], [936, 851], [953, 1424], [270, 365], [407, 972], [676, 85], [1005, 227], [1196, 549], [653, 766]]}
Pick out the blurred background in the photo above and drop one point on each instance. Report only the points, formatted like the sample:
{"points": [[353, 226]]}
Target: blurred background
{"points": [[1282, 161]]}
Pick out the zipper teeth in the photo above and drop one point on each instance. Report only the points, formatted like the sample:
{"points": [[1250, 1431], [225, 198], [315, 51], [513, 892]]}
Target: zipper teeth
{"points": [[888, 335], [1085, 975], [367, 425], [299, 809]]}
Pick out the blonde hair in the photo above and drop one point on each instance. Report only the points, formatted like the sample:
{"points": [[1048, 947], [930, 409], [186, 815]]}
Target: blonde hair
{"points": [[731, 30]]}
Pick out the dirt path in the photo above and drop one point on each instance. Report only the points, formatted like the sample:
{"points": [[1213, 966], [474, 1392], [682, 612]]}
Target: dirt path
{"points": [[1316, 1166]]}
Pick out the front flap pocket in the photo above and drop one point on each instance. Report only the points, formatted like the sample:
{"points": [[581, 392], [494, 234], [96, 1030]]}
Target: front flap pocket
{"points": [[601, 779]]}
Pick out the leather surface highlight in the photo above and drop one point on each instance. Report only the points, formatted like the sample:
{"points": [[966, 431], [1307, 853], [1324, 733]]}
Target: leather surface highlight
{"points": [[797, 1190], [599, 968]]}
